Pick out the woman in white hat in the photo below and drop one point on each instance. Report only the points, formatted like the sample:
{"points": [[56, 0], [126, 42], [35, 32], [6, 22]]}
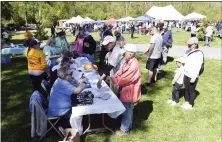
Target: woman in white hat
{"points": [[194, 60], [129, 80]]}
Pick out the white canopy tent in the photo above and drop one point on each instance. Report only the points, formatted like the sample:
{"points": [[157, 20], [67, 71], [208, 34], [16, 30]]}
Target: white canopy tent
{"points": [[125, 19], [76, 20], [87, 19], [165, 13], [194, 16]]}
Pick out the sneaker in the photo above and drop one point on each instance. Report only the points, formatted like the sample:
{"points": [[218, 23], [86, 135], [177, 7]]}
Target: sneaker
{"points": [[188, 107], [63, 132], [185, 104], [169, 101], [173, 103], [121, 133]]}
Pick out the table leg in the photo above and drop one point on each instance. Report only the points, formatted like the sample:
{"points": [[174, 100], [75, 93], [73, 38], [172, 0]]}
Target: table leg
{"points": [[93, 130], [106, 127], [89, 121]]}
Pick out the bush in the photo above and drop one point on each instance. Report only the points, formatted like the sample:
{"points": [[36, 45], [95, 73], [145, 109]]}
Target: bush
{"points": [[41, 34], [201, 32]]}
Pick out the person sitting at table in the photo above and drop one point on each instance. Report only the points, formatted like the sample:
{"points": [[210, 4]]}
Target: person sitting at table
{"points": [[36, 64], [61, 41], [51, 53], [89, 47], [61, 92], [28, 37], [64, 61], [129, 80]]}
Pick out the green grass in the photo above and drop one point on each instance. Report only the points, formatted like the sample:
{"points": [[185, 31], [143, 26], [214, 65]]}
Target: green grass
{"points": [[154, 119], [179, 38]]}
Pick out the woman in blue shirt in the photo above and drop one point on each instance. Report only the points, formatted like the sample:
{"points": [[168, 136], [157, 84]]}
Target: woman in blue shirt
{"points": [[62, 90]]}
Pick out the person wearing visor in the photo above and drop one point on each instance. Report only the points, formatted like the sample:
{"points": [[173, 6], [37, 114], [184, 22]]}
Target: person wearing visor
{"points": [[114, 60], [194, 59]]}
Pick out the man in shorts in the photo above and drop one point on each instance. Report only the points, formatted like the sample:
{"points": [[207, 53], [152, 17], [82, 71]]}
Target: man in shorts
{"points": [[154, 55]]}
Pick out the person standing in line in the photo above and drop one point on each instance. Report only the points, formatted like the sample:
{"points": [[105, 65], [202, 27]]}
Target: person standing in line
{"points": [[114, 60], [194, 59], [167, 43], [209, 33], [177, 81], [154, 55], [129, 79]]}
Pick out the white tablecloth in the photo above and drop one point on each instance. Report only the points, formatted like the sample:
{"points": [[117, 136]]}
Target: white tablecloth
{"points": [[113, 107], [13, 50]]}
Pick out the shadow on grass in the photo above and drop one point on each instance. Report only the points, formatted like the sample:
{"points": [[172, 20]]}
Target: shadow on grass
{"points": [[16, 41], [16, 92]]}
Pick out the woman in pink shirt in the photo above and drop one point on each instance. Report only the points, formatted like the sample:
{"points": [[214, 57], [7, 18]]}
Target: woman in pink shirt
{"points": [[128, 78], [79, 42]]}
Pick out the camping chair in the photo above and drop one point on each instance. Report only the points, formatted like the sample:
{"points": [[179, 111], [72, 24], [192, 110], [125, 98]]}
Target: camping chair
{"points": [[49, 120]]}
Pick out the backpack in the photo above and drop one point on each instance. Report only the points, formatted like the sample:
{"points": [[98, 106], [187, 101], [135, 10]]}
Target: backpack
{"points": [[202, 66]]}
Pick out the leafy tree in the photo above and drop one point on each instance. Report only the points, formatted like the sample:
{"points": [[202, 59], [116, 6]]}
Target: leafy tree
{"points": [[41, 34]]}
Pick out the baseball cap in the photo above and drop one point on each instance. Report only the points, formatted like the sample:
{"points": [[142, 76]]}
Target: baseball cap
{"points": [[192, 40], [130, 48], [181, 60], [34, 42], [107, 40]]}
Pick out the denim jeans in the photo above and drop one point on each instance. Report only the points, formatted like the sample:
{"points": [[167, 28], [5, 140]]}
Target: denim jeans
{"points": [[207, 39], [176, 92], [127, 117]]}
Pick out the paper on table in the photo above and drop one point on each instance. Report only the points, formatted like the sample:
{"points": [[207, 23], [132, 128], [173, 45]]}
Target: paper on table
{"points": [[76, 75]]}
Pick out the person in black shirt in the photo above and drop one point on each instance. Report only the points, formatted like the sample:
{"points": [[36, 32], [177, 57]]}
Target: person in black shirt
{"points": [[103, 52], [89, 47]]}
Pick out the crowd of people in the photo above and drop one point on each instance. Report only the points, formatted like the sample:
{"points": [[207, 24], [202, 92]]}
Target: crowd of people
{"points": [[120, 65]]}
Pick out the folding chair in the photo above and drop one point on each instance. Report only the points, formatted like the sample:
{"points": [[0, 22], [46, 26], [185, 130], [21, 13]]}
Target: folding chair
{"points": [[49, 120], [46, 88]]}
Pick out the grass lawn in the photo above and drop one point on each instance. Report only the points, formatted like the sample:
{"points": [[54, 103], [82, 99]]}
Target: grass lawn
{"points": [[154, 119], [179, 38]]}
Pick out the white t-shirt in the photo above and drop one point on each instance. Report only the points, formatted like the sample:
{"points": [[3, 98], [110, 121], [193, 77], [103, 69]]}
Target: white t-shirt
{"points": [[209, 31], [179, 73], [157, 40], [5, 35], [116, 59], [193, 29]]}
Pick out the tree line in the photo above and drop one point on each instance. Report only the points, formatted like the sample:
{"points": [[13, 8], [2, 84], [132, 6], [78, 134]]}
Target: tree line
{"points": [[48, 13]]}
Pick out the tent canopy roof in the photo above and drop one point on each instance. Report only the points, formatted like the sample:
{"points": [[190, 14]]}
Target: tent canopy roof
{"points": [[125, 19], [142, 18], [194, 16], [164, 13]]}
